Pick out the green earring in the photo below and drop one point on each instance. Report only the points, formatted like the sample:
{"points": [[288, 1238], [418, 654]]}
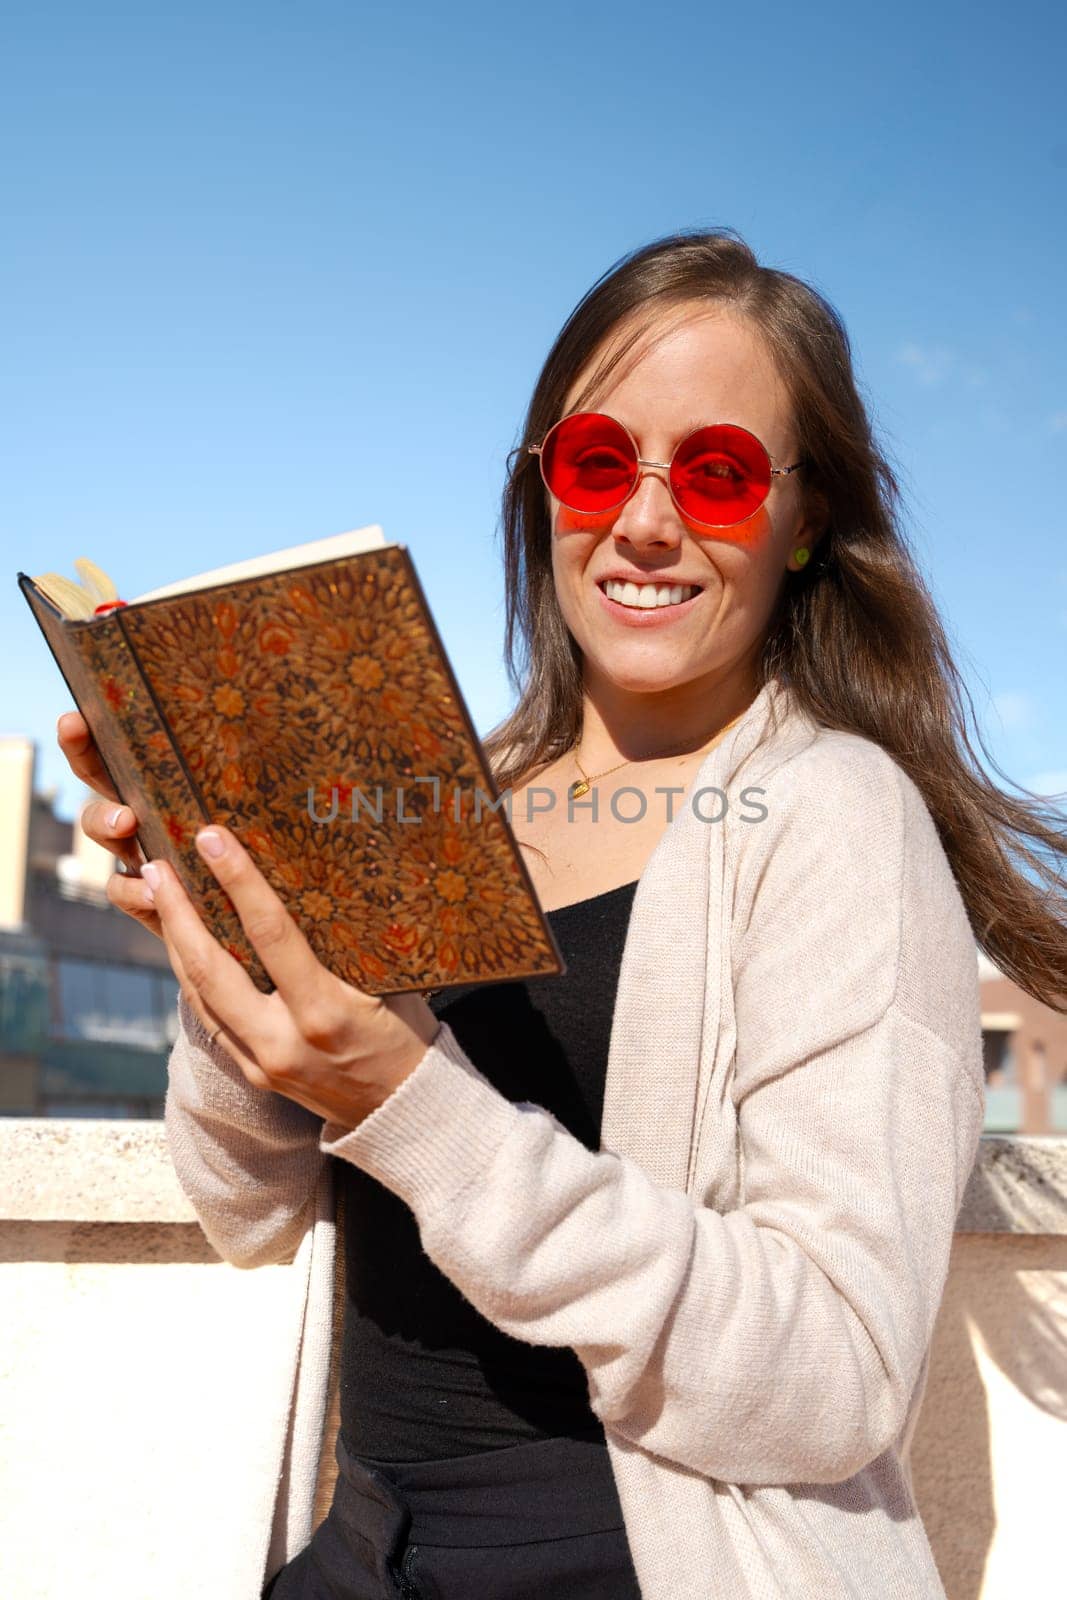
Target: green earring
{"points": [[801, 555]]}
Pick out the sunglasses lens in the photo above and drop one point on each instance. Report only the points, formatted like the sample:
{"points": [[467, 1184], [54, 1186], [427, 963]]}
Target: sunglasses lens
{"points": [[720, 475], [588, 462]]}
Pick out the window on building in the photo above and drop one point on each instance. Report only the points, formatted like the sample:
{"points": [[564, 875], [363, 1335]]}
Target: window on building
{"points": [[998, 1056], [113, 1004]]}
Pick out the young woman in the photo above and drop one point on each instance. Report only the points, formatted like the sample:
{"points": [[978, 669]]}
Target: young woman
{"points": [[642, 1264]]}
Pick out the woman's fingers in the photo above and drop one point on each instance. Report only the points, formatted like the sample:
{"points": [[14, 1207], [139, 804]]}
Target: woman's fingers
{"points": [[109, 824], [312, 994], [226, 1038], [133, 896], [83, 758], [112, 826], [106, 823], [213, 978]]}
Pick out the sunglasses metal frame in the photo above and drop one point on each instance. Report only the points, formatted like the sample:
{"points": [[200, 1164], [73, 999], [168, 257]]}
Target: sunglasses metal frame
{"points": [[662, 466]]}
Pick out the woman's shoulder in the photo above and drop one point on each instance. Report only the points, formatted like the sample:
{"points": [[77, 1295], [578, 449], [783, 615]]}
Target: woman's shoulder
{"points": [[815, 776], [846, 811], [840, 808], [849, 853], [815, 769], [828, 822]]}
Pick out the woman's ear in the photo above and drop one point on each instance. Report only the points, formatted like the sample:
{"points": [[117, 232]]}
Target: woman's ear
{"points": [[812, 528]]}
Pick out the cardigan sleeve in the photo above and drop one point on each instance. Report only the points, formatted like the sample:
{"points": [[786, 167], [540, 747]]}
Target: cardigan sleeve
{"points": [[248, 1158], [779, 1342]]}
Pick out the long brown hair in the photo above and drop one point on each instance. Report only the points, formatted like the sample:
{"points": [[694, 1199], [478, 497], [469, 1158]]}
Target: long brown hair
{"points": [[856, 635]]}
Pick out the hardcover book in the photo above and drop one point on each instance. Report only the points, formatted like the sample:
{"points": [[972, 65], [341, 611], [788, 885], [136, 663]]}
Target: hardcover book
{"points": [[305, 700]]}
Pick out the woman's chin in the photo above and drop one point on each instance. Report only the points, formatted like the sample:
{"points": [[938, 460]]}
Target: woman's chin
{"points": [[646, 676]]}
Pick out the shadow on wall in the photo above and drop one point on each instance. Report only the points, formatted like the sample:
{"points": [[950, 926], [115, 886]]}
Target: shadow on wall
{"points": [[1008, 1294]]}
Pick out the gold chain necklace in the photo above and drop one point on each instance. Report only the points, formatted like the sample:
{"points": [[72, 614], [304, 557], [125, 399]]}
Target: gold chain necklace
{"points": [[582, 785]]}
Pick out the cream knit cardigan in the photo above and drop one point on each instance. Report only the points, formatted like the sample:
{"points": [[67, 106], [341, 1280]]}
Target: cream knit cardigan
{"points": [[751, 1266]]}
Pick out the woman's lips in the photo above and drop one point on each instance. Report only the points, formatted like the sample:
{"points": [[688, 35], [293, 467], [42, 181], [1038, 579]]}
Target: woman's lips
{"points": [[647, 616]]}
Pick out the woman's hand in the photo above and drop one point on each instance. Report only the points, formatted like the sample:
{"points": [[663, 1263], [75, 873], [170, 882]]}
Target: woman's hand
{"points": [[107, 820], [332, 1048]]}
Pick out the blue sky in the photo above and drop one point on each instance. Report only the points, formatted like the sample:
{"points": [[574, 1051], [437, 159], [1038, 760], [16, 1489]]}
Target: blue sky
{"points": [[251, 249]]}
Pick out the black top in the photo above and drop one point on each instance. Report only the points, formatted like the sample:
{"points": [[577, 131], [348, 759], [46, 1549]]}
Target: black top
{"points": [[423, 1375]]}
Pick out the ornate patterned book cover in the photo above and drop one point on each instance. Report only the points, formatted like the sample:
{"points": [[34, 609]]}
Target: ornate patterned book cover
{"points": [[315, 712]]}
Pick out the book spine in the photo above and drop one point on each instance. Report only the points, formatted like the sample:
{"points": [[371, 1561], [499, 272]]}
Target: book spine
{"points": [[133, 738], [167, 795]]}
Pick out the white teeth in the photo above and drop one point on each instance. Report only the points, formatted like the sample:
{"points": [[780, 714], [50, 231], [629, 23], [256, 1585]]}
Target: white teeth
{"points": [[645, 596]]}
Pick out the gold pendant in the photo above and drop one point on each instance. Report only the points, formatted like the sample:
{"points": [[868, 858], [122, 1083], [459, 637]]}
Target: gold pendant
{"points": [[579, 788]]}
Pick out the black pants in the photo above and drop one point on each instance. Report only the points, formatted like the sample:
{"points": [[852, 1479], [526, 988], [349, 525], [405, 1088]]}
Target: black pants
{"points": [[514, 1524]]}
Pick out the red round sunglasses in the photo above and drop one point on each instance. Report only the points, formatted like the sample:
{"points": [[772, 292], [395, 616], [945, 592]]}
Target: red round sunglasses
{"points": [[718, 476]]}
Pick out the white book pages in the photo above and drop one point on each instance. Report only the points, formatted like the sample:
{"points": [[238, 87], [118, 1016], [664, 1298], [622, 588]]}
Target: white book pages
{"points": [[299, 555]]}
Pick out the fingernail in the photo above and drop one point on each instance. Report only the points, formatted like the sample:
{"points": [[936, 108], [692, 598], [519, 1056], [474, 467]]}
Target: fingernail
{"points": [[150, 874], [210, 843], [113, 818]]}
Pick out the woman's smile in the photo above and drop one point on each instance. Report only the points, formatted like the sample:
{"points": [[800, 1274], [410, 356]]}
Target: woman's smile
{"points": [[635, 612]]}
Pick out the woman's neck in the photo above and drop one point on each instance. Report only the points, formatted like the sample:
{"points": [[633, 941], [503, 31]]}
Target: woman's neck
{"points": [[641, 728]]}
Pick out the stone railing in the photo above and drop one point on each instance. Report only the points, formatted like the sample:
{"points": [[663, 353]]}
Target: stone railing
{"points": [[134, 1361]]}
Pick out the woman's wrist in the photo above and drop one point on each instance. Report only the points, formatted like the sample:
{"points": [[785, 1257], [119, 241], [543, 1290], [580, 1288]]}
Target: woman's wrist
{"points": [[379, 1079]]}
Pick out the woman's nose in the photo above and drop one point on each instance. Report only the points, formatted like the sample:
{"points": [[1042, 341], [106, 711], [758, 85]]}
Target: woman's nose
{"points": [[650, 514]]}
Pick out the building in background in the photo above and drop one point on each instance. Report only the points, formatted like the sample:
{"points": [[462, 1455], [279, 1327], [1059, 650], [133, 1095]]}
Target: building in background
{"points": [[88, 1002], [1025, 1058]]}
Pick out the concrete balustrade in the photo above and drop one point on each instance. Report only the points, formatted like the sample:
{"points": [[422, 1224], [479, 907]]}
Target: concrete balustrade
{"points": [[134, 1366]]}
